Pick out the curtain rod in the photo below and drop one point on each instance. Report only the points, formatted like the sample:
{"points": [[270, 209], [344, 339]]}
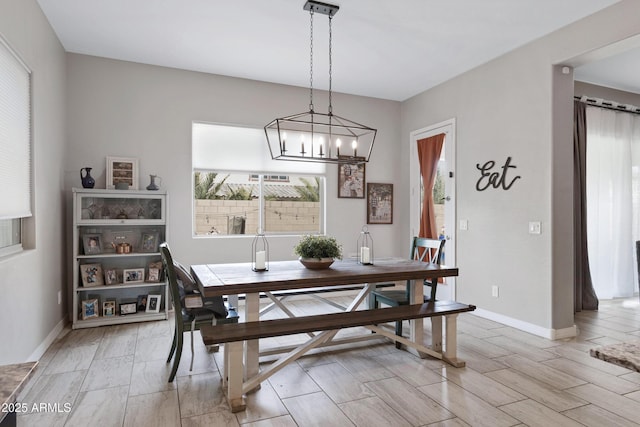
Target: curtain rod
{"points": [[609, 105]]}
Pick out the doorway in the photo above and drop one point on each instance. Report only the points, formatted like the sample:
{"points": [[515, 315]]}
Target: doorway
{"points": [[444, 196]]}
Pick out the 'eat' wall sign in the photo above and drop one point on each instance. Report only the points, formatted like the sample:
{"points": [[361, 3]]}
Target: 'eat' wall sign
{"points": [[495, 179]]}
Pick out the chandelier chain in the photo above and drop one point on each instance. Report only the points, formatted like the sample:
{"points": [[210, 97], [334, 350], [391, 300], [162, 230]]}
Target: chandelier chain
{"points": [[330, 64], [311, 62]]}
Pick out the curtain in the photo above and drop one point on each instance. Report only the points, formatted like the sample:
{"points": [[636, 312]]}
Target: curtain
{"points": [[585, 296], [612, 163], [428, 155]]}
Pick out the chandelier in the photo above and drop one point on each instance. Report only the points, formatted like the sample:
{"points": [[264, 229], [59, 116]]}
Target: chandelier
{"points": [[318, 137]]}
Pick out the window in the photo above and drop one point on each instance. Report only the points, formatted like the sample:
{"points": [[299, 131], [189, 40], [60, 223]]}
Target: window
{"points": [[239, 189], [232, 203], [15, 148]]}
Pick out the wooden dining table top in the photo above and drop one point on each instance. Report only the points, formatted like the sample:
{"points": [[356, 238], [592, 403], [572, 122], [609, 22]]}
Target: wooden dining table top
{"points": [[239, 278]]}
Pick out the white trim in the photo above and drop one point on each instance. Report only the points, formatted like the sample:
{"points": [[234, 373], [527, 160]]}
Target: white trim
{"points": [[551, 334], [44, 346]]}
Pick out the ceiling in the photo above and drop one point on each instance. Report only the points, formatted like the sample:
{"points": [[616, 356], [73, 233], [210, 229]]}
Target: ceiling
{"points": [[383, 49]]}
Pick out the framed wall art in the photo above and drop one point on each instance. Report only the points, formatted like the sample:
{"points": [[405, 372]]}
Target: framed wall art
{"points": [[351, 180], [122, 173], [379, 203], [91, 275]]}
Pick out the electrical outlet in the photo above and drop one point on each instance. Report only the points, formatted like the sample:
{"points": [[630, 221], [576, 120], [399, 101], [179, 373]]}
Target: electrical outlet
{"points": [[494, 291], [59, 297], [464, 224]]}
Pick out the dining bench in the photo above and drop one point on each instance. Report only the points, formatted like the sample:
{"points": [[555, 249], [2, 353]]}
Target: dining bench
{"points": [[233, 335]]}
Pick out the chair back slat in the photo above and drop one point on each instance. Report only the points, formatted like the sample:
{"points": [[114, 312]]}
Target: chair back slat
{"points": [[427, 250]]}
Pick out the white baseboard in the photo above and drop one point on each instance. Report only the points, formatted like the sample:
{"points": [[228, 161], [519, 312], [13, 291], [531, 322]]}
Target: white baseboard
{"points": [[551, 334], [42, 348]]}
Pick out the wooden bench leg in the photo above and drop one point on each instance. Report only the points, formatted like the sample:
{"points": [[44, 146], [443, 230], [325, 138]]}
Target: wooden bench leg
{"points": [[234, 368], [436, 333], [252, 348], [450, 351]]}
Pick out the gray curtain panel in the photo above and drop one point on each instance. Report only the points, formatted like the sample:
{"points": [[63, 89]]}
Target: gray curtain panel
{"points": [[585, 296]]}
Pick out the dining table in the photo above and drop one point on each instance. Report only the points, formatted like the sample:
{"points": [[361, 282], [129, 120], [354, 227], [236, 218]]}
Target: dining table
{"points": [[228, 279]]}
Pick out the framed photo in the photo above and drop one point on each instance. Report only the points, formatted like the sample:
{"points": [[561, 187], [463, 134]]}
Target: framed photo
{"points": [[154, 272], [92, 244], [128, 308], [110, 277], [109, 308], [153, 303], [122, 170], [91, 275], [142, 302], [351, 180], [149, 242], [153, 275], [133, 275], [89, 309], [379, 203]]}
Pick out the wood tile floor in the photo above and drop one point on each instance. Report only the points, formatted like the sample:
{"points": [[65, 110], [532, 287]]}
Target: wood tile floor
{"points": [[117, 376]]}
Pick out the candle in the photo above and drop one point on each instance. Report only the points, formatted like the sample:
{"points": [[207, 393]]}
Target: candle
{"points": [[320, 143], [284, 140], [354, 145], [365, 255], [338, 143], [302, 139], [260, 260]]}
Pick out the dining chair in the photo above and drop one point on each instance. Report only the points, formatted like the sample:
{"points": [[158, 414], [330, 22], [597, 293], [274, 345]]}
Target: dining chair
{"points": [[191, 309], [422, 249]]}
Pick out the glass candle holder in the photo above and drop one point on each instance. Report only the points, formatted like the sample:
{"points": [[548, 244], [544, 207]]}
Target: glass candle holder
{"points": [[260, 253], [365, 247]]}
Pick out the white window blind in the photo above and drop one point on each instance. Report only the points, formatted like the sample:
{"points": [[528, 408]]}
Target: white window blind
{"points": [[218, 147], [15, 135]]}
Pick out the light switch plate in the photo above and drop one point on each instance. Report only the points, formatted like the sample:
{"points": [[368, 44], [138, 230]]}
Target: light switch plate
{"points": [[535, 227]]}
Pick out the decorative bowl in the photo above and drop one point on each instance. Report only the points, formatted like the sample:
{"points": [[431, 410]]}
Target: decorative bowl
{"points": [[316, 263]]}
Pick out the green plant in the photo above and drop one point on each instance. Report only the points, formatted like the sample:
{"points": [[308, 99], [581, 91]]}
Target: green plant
{"points": [[205, 187], [318, 247]]}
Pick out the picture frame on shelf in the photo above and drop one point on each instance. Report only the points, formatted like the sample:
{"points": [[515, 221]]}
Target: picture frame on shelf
{"points": [[142, 302], [89, 309], [153, 275], [92, 244], [109, 308], [154, 271], [110, 276], [351, 180], [126, 308], [133, 275], [149, 242], [91, 275], [153, 303], [379, 203], [122, 171]]}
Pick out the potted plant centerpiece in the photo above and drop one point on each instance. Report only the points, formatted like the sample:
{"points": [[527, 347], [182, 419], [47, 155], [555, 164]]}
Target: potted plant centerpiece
{"points": [[318, 251]]}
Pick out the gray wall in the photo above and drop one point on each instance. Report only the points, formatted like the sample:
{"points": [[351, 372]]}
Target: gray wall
{"points": [[118, 108], [519, 105], [30, 281]]}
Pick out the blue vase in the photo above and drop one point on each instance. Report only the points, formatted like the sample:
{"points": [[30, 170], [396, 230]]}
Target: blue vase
{"points": [[87, 179]]}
